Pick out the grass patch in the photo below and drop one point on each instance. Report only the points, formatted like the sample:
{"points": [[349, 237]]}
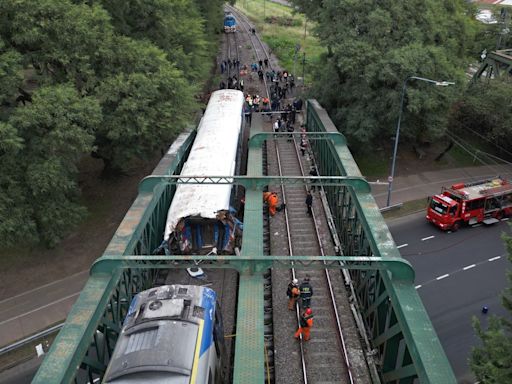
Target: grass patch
{"points": [[461, 157], [373, 164], [407, 208], [283, 30]]}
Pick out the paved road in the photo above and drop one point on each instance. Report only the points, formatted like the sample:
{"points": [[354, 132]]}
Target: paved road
{"points": [[456, 274], [37, 309]]}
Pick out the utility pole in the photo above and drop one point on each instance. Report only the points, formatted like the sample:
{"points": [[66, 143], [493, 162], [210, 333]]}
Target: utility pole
{"points": [[297, 49], [303, 72]]}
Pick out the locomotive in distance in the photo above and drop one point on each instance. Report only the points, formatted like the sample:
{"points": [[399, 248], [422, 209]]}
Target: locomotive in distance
{"points": [[229, 22]]}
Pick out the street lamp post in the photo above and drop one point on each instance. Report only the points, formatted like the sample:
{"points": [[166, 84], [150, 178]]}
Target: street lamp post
{"points": [[404, 88]]}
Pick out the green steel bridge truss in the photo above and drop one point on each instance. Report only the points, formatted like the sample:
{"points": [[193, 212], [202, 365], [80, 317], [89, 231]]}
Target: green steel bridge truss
{"points": [[496, 64], [396, 320]]}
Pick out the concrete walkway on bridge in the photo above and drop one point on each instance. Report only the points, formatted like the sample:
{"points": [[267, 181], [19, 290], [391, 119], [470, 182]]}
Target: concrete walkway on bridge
{"points": [[30, 312]]}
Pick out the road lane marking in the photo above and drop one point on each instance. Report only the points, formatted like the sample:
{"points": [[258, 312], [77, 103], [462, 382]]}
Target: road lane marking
{"points": [[39, 308], [476, 225], [479, 264], [418, 286], [71, 277], [428, 238], [401, 246]]}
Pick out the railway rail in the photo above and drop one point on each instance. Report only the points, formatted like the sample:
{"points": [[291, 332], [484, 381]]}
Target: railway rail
{"points": [[325, 358]]}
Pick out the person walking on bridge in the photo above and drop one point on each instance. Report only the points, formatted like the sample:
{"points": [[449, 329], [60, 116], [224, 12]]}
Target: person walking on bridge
{"points": [[309, 203], [306, 291], [272, 200], [306, 323], [293, 293]]}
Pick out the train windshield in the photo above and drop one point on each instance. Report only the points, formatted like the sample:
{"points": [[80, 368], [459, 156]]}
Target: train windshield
{"points": [[438, 207]]}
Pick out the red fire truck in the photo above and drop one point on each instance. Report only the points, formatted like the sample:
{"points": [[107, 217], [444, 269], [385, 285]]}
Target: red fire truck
{"points": [[484, 201]]}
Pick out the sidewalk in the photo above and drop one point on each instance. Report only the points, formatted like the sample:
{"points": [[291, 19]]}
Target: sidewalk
{"points": [[422, 185], [35, 310]]}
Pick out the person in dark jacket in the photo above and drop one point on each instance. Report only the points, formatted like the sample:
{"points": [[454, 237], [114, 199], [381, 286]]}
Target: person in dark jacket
{"points": [[309, 203], [306, 291], [313, 172]]}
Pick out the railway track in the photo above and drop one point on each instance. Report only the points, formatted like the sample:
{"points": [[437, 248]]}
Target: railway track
{"points": [[324, 359]]}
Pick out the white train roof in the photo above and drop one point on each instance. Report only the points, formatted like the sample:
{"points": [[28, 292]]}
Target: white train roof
{"points": [[213, 153]]}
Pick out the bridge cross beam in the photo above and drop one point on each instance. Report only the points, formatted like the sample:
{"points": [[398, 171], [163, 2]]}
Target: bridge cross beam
{"points": [[254, 182], [399, 269]]}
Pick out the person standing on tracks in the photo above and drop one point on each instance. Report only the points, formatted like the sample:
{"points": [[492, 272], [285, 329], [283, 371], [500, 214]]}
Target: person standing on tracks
{"points": [[293, 293], [272, 200], [314, 173], [309, 203], [306, 323], [303, 146], [306, 291]]}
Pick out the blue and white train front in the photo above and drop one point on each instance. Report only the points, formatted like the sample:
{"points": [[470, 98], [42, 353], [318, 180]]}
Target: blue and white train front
{"points": [[172, 334], [229, 23]]}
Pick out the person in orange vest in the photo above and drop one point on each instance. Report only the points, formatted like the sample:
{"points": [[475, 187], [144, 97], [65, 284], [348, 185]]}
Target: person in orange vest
{"points": [[293, 293], [306, 323], [272, 200]]}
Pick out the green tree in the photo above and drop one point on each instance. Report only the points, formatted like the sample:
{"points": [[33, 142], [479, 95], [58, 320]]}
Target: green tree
{"points": [[17, 223], [143, 109], [212, 12], [491, 362], [175, 26], [60, 40], [485, 110], [51, 135], [372, 49], [10, 73]]}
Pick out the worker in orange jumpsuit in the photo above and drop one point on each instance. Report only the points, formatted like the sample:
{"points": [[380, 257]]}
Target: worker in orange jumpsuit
{"points": [[293, 293], [306, 323], [272, 200]]}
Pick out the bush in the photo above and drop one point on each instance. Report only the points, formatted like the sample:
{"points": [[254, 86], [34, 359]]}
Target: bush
{"points": [[285, 21]]}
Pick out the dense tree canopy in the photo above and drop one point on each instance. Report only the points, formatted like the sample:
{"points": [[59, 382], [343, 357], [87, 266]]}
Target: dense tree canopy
{"points": [[485, 110], [491, 362], [174, 26], [373, 47], [115, 79], [43, 143]]}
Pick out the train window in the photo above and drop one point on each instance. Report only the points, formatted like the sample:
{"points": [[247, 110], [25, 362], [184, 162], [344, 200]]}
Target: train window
{"points": [[198, 312], [182, 291]]}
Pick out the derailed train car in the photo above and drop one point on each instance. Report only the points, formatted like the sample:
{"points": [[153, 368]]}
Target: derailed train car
{"points": [[172, 334], [200, 219]]}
